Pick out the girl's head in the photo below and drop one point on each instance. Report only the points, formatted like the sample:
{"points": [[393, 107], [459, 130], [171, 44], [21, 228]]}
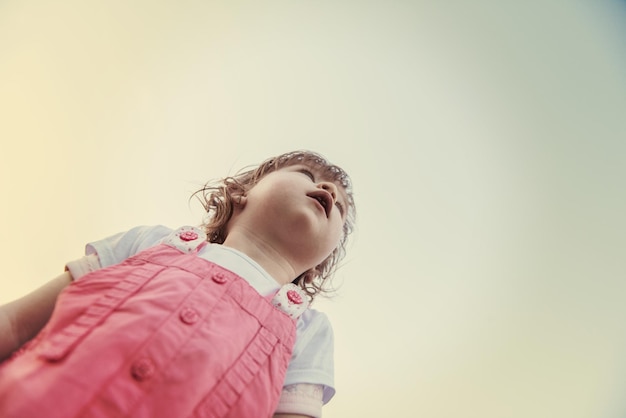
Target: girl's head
{"points": [[220, 199]]}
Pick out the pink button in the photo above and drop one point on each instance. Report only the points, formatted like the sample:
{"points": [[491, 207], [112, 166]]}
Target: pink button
{"points": [[143, 369], [51, 351], [219, 278], [294, 297], [189, 315], [188, 236]]}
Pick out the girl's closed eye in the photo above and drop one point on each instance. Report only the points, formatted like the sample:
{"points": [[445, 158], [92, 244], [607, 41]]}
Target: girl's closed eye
{"points": [[307, 173], [340, 207]]}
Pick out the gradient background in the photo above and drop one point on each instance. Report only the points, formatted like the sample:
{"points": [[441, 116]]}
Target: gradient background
{"points": [[486, 141]]}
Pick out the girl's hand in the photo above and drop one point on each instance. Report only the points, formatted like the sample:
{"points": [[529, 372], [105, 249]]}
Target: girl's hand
{"points": [[23, 318], [290, 416]]}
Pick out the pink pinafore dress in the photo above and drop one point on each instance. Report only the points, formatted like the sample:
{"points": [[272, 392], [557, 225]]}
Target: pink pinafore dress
{"points": [[163, 334]]}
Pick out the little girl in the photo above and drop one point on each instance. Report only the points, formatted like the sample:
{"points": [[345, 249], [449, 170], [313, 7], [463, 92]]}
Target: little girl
{"points": [[210, 322]]}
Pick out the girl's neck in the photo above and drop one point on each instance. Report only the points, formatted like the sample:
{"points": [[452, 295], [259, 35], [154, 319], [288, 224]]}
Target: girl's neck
{"points": [[264, 253]]}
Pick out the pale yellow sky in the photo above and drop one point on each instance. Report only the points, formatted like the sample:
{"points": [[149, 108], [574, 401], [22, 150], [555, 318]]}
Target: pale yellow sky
{"points": [[485, 141]]}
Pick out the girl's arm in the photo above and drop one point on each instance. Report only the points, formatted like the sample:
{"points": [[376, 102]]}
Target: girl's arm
{"points": [[23, 318]]}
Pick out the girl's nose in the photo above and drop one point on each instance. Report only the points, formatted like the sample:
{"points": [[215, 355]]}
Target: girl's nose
{"points": [[330, 187]]}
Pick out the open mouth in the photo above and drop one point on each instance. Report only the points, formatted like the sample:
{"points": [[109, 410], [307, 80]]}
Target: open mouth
{"points": [[324, 199]]}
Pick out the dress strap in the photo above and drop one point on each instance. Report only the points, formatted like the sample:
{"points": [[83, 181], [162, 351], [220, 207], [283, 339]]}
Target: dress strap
{"points": [[291, 300], [187, 239]]}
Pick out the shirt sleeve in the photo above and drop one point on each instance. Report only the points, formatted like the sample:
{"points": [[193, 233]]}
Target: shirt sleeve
{"points": [[312, 360], [302, 399], [119, 247], [81, 266], [116, 248]]}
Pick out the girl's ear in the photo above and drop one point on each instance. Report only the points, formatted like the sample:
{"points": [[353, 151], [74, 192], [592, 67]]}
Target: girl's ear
{"points": [[240, 200], [237, 194]]}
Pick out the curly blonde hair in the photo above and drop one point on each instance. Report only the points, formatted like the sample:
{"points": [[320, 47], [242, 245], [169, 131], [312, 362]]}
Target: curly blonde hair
{"points": [[218, 198]]}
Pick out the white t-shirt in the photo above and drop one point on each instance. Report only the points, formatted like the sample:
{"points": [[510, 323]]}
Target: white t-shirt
{"points": [[312, 358]]}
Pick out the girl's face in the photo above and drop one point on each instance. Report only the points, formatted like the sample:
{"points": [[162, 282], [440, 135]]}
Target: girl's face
{"points": [[299, 210]]}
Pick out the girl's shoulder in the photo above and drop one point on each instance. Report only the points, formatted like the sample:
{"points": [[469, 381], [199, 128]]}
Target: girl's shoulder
{"points": [[312, 318], [313, 329]]}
